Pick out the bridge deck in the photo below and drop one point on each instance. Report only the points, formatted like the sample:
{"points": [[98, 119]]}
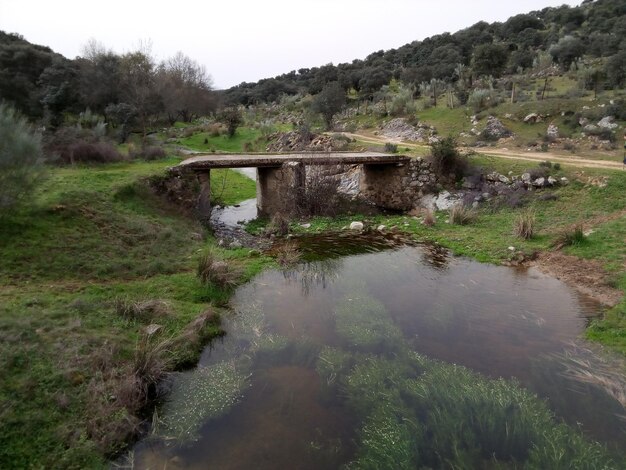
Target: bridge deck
{"points": [[209, 161]]}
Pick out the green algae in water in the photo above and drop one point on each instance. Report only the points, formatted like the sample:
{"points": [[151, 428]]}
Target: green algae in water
{"points": [[332, 364], [388, 441], [207, 393], [425, 413], [364, 322]]}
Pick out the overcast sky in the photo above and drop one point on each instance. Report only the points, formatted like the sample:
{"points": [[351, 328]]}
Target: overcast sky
{"points": [[245, 40]]}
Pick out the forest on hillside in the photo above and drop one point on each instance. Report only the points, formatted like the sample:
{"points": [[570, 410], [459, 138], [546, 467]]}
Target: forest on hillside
{"points": [[553, 37]]}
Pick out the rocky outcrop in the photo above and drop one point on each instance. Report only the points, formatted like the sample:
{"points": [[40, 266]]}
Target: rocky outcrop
{"points": [[400, 129], [552, 132], [495, 130], [303, 142], [607, 122]]}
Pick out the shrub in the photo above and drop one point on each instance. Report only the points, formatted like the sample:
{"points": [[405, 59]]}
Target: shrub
{"points": [[91, 152], [481, 99], [391, 148], [21, 159], [150, 152], [461, 215], [71, 145], [279, 225], [446, 159], [525, 225], [320, 196], [214, 130]]}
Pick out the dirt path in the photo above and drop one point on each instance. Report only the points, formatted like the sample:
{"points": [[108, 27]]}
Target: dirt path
{"points": [[505, 153]]}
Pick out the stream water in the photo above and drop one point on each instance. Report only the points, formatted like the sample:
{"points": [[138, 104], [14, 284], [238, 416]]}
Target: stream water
{"points": [[319, 360]]}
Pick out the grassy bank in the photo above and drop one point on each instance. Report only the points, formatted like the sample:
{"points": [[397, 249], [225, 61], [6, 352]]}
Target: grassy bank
{"points": [[94, 260]]}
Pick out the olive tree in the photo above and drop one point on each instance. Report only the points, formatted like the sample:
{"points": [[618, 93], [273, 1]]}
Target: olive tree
{"points": [[21, 159], [329, 102]]}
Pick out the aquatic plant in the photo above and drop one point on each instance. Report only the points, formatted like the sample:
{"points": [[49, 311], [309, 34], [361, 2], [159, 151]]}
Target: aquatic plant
{"points": [[332, 363], [387, 441], [456, 419], [364, 322], [206, 393]]}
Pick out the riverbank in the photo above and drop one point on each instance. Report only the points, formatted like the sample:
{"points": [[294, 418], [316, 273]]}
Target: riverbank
{"points": [[99, 300]]}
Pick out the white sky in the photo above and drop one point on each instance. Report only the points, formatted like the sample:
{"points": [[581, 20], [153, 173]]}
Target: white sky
{"points": [[245, 40]]}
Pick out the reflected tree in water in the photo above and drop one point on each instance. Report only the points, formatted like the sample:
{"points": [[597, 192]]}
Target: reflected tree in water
{"points": [[314, 274]]}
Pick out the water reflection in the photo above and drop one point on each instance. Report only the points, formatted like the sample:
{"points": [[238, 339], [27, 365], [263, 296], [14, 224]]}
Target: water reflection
{"points": [[314, 274], [498, 321]]}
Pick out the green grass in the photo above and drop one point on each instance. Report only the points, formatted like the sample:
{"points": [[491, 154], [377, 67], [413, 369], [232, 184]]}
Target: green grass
{"points": [[244, 136], [447, 121], [94, 234]]}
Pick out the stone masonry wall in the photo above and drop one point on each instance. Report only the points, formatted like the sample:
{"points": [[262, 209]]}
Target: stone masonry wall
{"points": [[398, 186]]}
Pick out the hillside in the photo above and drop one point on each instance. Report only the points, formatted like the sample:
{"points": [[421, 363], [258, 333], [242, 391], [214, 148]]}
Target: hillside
{"points": [[553, 36]]}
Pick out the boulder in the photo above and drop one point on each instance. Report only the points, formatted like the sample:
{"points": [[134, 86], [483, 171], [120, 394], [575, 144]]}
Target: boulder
{"points": [[552, 180], [553, 131], [356, 226], [495, 130], [607, 122], [526, 178], [531, 118]]}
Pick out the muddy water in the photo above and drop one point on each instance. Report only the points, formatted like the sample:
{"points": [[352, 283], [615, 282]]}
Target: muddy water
{"points": [[500, 322]]}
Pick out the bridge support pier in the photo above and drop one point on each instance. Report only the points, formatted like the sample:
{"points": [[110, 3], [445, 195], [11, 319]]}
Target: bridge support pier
{"points": [[388, 186], [204, 198], [277, 188]]}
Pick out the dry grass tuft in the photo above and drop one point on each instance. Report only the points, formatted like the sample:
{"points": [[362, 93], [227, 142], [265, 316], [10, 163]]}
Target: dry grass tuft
{"points": [[461, 215], [144, 310], [288, 254], [213, 270], [525, 224], [570, 237], [429, 219]]}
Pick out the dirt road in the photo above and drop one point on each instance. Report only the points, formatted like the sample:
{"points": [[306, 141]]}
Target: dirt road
{"points": [[505, 153]]}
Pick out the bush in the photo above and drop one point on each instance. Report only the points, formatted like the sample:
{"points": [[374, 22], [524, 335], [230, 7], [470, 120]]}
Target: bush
{"points": [[446, 159], [525, 225], [482, 99], [391, 148], [150, 152], [21, 159], [91, 152], [76, 145], [278, 226]]}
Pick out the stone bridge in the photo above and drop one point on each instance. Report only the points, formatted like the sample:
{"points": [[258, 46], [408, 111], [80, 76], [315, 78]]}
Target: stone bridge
{"points": [[385, 179]]}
